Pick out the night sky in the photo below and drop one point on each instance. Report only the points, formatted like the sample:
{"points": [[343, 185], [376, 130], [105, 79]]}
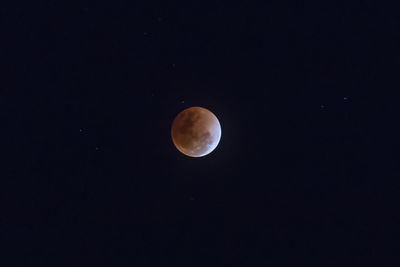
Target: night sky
{"points": [[303, 174]]}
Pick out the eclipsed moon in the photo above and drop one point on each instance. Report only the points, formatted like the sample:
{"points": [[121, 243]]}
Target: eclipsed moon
{"points": [[196, 132]]}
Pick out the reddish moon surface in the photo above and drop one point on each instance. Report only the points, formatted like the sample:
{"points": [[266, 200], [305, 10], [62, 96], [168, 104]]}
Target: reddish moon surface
{"points": [[196, 132]]}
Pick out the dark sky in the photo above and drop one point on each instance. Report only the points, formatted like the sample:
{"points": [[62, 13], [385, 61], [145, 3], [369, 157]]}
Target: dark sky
{"points": [[302, 174]]}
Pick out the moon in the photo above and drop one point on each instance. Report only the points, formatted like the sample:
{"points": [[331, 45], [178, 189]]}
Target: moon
{"points": [[196, 132]]}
